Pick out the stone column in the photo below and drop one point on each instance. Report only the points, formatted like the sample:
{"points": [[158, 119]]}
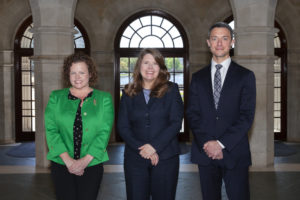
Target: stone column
{"points": [[104, 60], [254, 49], [293, 116], [53, 40], [7, 100]]}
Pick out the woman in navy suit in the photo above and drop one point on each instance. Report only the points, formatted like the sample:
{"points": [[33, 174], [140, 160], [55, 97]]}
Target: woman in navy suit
{"points": [[150, 118]]}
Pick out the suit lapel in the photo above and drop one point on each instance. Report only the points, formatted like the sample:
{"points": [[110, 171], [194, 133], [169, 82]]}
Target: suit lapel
{"points": [[208, 86], [229, 81]]}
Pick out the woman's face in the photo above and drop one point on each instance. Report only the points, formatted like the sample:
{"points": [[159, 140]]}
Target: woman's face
{"points": [[149, 68], [79, 75]]}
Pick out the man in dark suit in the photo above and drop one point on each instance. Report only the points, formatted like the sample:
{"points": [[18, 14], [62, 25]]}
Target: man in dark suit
{"points": [[220, 112]]}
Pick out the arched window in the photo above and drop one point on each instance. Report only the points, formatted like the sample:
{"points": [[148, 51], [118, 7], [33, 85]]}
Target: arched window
{"points": [[24, 77], [151, 29], [280, 82]]}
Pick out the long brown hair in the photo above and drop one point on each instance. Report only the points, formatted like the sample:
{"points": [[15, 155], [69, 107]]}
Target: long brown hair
{"points": [[160, 86]]}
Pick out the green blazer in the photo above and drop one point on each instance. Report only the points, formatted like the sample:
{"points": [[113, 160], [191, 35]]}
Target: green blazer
{"points": [[97, 119]]}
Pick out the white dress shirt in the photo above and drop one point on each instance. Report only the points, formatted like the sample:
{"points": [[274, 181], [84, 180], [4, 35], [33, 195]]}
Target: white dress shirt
{"points": [[223, 71]]}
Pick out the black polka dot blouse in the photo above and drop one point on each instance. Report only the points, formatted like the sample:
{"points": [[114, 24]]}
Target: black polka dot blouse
{"points": [[77, 128]]}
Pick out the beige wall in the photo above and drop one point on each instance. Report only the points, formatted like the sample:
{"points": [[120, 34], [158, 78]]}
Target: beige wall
{"points": [[102, 19]]}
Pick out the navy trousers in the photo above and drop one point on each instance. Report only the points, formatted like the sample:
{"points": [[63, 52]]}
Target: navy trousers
{"points": [[71, 187], [236, 181], [144, 180]]}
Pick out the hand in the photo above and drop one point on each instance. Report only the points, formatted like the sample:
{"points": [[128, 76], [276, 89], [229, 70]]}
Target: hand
{"points": [[146, 151], [213, 150], [78, 166], [154, 159]]}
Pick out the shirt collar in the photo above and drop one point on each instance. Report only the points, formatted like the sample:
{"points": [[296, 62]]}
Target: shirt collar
{"points": [[225, 63]]}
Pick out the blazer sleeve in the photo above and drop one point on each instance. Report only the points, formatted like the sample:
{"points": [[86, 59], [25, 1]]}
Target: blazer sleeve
{"points": [[55, 142], [193, 114], [98, 146], [240, 128], [124, 125], [175, 121]]}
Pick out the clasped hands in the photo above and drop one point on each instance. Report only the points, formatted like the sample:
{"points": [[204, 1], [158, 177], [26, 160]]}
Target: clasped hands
{"points": [[213, 150], [77, 166], [148, 152]]}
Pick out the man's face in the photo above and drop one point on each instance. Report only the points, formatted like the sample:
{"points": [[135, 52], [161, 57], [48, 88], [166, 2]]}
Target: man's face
{"points": [[220, 42]]}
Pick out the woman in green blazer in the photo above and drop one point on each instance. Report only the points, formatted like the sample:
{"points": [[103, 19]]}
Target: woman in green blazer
{"points": [[78, 123]]}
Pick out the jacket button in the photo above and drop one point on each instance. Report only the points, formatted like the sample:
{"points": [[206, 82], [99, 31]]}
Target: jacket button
{"points": [[84, 113], [217, 118]]}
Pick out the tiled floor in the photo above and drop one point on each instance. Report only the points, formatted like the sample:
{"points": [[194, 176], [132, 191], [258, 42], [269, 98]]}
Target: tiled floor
{"points": [[20, 180]]}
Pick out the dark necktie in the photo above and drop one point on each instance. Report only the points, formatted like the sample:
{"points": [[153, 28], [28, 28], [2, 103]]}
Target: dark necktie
{"points": [[217, 85]]}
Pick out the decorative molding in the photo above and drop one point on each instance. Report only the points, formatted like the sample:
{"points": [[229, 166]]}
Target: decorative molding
{"points": [[52, 29]]}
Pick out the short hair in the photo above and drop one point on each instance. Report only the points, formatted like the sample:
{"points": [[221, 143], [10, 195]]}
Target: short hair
{"points": [[75, 58], [160, 86], [221, 25]]}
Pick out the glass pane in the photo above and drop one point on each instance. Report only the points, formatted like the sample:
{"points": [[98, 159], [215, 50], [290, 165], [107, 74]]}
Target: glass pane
{"points": [[168, 41], [26, 78], [277, 43], [132, 63], [166, 24], [179, 79], [33, 104], [174, 32], [25, 42], [124, 78], [79, 42], [77, 32], [178, 42], [152, 42], [25, 63], [156, 20], [146, 20], [277, 127], [124, 64], [26, 105], [143, 32], [178, 64], [276, 106], [26, 112], [128, 32], [33, 93], [277, 77], [32, 43], [33, 124], [159, 32], [169, 62], [172, 77], [124, 42], [277, 94], [277, 65], [26, 93], [135, 41], [277, 114], [136, 24], [28, 33], [26, 124]]}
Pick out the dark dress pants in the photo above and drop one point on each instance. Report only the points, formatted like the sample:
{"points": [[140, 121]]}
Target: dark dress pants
{"points": [[144, 180], [236, 181], [71, 187]]}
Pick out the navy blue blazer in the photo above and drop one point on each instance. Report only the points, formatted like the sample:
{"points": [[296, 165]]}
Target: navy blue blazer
{"points": [[157, 123], [232, 120]]}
